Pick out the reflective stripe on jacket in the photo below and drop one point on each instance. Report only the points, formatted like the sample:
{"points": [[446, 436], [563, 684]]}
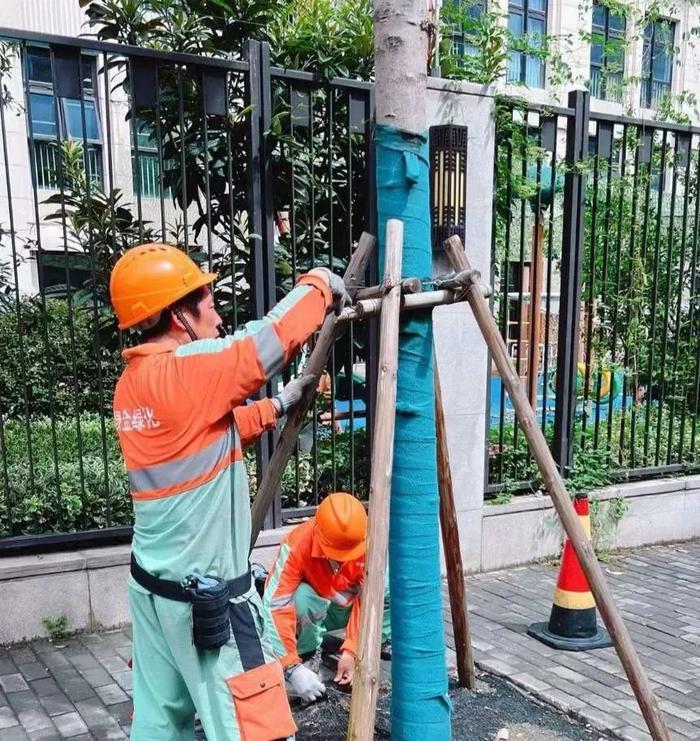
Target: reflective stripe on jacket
{"points": [[181, 428], [300, 559]]}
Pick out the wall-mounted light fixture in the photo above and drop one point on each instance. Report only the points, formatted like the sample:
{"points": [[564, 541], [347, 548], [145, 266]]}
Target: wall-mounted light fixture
{"points": [[448, 184]]}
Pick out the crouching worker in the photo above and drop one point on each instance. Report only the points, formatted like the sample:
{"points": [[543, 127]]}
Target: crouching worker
{"points": [[199, 644], [315, 587]]}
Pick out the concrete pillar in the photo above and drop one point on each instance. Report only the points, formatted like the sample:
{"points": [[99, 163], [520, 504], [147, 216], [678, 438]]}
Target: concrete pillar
{"points": [[460, 350]]}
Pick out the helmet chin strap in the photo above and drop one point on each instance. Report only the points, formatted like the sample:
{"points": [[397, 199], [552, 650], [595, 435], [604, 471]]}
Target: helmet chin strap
{"points": [[178, 313]]}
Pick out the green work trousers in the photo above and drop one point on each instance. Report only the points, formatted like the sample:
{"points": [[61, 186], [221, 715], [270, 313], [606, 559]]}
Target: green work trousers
{"points": [[173, 679], [316, 615]]}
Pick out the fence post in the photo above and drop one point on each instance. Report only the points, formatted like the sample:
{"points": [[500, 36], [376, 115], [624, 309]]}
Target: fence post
{"points": [[571, 271], [260, 220]]}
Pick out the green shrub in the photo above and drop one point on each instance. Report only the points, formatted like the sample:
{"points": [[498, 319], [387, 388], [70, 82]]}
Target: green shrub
{"points": [[53, 361], [44, 493], [64, 489]]}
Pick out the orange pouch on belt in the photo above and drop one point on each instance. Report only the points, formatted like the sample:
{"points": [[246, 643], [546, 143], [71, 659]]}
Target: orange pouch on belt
{"points": [[262, 708]]}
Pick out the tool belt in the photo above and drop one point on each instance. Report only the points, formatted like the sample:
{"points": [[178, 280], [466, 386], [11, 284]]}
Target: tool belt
{"points": [[208, 595]]}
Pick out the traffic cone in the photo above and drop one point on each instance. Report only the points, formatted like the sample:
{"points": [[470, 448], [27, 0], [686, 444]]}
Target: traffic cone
{"points": [[572, 623]]}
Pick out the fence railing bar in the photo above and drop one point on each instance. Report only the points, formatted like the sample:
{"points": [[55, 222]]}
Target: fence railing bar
{"points": [[124, 50], [137, 179], [95, 313], [654, 296], [631, 292], [591, 285], [69, 292], [618, 284], [45, 330], [694, 304], [319, 80], [679, 301]]}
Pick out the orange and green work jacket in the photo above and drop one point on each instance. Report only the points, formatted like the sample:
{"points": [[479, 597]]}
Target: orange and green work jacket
{"points": [[300, 559], [182, 440]]}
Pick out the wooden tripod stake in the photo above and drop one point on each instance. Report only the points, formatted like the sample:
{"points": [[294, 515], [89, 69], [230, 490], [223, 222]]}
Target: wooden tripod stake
{"points": [[451, 547], [366, 681], [561, 501]]}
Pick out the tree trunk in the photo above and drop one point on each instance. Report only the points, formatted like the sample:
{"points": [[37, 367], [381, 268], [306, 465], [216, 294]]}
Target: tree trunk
{"points": [[419, 706]]}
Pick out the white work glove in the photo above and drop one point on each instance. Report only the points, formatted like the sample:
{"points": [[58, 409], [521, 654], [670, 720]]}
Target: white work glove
{"points": [[341, 298], [304, 683], [292, 393]]}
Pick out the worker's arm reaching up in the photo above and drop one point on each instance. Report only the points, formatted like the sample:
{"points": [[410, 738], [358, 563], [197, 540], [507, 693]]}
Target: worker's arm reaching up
{"points": [[253, 419], [226, 371]]}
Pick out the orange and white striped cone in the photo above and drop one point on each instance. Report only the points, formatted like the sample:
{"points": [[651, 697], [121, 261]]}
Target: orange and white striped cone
{"points": [[573, 623]]}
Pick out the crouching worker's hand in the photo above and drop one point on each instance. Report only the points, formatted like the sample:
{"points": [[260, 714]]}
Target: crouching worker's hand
{"points": [[346, 668], [304, 683]]}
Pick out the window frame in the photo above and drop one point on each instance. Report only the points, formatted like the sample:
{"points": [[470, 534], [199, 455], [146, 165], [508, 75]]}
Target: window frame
{"points": [[476, 9], [527, 14], [608, 35], [60, 108], [648, 49]]}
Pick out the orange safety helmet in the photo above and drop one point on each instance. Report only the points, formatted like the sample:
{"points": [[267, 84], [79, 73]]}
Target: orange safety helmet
{"points": [[151, 277], [341, 527]]}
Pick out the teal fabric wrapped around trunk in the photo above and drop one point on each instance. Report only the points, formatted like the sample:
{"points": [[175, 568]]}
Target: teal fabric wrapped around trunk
{"points": [[420, 706]]}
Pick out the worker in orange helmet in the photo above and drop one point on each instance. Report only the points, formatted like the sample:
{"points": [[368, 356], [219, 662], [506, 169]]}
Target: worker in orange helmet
{"points": [[314, 587], [199, 644]]}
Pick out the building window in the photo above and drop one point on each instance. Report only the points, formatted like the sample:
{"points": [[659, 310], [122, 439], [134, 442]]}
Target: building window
{"points": [[657, 62], [467, 13], [47, 128], [527, 23], [145, 167], [607, 52], [62, 272]]}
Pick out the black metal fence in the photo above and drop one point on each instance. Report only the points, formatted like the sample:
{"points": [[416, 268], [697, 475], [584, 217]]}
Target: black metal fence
{"points": [[258, 172], [597, 291]]}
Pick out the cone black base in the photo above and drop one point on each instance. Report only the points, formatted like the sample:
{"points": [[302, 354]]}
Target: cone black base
{"points": [[600, 639]]}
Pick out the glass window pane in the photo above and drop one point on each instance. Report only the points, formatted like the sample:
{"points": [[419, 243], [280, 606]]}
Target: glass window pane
{"points": [[475, 9], [87, 68], [536, 26], [533, 72], [646, 58], [74, 127], [43, 115], [661, 67], [537, 5], [39, 65], [616, 22], [145, 138], [664, 35], [599, 15], [615, 57], [513, 67], [515, 24], [515, 4], [597, 54]]}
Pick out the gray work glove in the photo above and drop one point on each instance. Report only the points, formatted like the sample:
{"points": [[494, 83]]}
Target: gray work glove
{"points": [[304, 683], [341, 297], [291, 393]]}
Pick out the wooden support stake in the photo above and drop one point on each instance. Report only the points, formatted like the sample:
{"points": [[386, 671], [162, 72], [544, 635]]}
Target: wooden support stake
{"points": [[411, 302], [365, 687], [354, 275], [453, 553], [408, 285], [562, 502]]}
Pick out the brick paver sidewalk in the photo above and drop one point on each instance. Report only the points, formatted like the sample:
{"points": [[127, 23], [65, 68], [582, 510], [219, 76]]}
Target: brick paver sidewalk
{"points": [[81, 691], [658, 592]]}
